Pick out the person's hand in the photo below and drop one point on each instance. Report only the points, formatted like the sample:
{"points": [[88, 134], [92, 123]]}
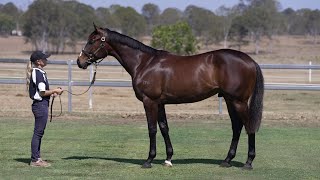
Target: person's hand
{"points": [[58, 91], [54, 94]]}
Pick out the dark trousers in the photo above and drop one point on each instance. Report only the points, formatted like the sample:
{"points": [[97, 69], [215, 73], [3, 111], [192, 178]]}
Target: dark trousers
{"points": [[40, 112]]}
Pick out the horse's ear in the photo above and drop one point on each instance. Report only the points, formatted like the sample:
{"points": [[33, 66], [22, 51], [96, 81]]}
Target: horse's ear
{"points": [[95, 27]]}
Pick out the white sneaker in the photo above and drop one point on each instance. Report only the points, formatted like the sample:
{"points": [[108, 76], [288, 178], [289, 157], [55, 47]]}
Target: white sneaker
{"points": [[40, 163]]}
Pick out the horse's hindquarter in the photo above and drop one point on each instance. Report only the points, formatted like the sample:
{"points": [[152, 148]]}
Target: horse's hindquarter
{"points": [[235, 72]]}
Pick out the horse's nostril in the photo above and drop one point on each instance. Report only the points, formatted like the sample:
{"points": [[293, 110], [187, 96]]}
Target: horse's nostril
{"points": [[78, 62]]}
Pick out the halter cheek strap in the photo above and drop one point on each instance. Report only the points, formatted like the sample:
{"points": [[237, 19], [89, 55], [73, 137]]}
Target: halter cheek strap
{"points": [[92, 56]]}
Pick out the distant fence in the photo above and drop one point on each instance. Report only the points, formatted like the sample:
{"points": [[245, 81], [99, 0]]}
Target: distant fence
{"points": [[69, 82]]}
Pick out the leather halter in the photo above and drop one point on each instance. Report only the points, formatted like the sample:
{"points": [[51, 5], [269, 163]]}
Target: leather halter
{"points": [[92, 58]]}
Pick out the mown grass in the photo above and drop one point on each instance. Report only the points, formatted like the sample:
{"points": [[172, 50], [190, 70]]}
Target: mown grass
{"points": [[98, 149]]}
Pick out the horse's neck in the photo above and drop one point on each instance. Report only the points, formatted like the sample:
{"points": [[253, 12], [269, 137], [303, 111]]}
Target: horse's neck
{"points": [[129, 58]]}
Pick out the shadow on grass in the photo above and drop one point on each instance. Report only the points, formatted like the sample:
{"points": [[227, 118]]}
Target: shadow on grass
{"points": [[141, 161], [23, 160]]}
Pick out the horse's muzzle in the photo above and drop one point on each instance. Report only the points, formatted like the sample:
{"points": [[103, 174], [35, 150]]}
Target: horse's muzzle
{"points": [[82, 66]]}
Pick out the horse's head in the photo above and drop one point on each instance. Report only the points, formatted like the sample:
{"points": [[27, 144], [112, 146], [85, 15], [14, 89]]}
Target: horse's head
{"points": [[95, 49]]}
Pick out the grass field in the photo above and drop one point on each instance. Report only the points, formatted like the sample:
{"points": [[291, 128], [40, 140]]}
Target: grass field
{"points": [[99, 148]]}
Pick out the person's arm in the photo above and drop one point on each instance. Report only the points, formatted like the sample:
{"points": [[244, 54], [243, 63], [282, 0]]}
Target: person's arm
{"points": [[40, 82], [50, 92]]}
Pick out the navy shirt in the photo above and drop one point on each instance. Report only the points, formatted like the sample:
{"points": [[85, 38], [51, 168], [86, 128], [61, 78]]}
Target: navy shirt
{"points": [[38, 83]]}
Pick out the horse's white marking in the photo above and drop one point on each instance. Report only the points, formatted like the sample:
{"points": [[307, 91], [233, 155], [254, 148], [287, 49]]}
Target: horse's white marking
{"points": [[80, 54], [167, 163]]}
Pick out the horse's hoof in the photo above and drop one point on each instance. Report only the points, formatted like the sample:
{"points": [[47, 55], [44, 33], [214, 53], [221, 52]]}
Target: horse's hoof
{"points": [[146, 165], [167, 163], [247, 167], [225, 164]]}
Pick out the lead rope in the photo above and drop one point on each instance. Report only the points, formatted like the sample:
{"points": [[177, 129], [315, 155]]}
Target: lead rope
{"points": [[52, 106], [92, 82]]}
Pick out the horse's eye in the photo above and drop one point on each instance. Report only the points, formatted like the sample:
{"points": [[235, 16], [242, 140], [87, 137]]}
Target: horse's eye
{"points": [[91, 41]]}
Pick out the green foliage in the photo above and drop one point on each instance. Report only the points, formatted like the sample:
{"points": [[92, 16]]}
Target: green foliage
{"points": [[206, 25], [106, 18], [293, 24], [151, 13], [177, 38], [9, 18], [57, 23], [170, 16], [6, 24], [261, 19], [199, 19], [238, 32], [313, 23], [130, 21], [10, 9]]}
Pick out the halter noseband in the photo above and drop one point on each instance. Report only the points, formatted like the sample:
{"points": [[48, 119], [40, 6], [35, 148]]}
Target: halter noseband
{"points": [[92, 56]]}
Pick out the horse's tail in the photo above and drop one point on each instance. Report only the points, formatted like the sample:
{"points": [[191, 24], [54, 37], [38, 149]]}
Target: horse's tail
{"points": [[256, 103]]}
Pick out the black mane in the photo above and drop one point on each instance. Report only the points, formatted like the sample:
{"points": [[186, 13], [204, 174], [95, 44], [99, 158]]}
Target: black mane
{"points": [[126, 40]]}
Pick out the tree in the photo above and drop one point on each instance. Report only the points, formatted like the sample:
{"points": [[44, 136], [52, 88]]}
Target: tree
{"points": [[36, 27], [170, 16], [9, 18], [205, 24], [313, 23], [261, 19], [10, 9], [289, 18], [131, 22], [176, 38], [106, 18], [198, 18], [6, 24], [228, 15], [238, 32], [84, 16], [62, 23], [151, 13]]}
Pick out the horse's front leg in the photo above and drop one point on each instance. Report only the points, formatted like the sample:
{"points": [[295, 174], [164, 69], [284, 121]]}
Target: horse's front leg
{"points": [[163, 124], [151, 109]]}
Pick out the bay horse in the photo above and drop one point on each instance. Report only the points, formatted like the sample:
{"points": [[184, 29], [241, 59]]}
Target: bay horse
{"points": [[159, 78]]}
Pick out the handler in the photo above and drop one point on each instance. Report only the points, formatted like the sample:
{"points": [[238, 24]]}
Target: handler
{"points": [[40, 93]]}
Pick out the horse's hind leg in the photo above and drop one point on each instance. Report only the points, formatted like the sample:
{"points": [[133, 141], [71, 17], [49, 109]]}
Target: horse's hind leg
{"points": [[163, 124], [236, 129], [242, 114], [251, 151]]}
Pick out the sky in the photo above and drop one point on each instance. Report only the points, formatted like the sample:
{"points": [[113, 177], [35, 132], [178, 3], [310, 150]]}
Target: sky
{"points": [[180, 4]]}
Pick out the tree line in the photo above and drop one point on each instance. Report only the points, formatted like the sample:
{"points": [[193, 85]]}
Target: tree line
{"points": [[54, 25]]}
